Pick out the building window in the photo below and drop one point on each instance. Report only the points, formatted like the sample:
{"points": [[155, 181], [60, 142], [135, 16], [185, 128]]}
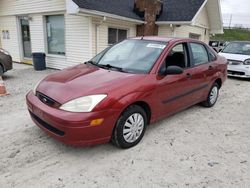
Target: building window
{"points": [[55, 34], [116, 35], [194, 36], [5, 34]]}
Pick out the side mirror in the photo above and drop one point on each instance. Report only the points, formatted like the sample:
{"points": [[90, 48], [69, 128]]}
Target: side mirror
{"points": [[171, 70]]}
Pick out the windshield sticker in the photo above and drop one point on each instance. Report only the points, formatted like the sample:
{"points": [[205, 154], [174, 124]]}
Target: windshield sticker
{"points": [[160, 46]]}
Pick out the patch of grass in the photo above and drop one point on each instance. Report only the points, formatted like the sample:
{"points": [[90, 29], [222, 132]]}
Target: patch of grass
{"points": [[233, 35]]}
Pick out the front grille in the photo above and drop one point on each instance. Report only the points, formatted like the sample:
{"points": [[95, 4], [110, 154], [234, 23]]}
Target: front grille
{"points": [[235, 73], [46, 125], [47, 100]]}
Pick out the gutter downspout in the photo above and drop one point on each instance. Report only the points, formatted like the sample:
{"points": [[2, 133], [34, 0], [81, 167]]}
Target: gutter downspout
{"points": [[97, 34], [173, 30]]}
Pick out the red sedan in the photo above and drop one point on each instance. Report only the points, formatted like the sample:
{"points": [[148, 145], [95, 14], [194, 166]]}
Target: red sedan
{"points": [[114, 96]]}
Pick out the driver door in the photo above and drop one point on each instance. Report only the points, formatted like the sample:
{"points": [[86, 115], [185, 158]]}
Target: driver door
{"points": [[174, 90]]}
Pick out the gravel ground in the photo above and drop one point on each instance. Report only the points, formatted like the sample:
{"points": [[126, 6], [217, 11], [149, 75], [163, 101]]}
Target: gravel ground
{"points": [[198, 147]]}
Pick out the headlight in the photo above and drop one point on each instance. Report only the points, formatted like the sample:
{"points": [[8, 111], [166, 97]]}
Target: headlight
{"points": [[247, 62], [83, 104], [4, 51]]}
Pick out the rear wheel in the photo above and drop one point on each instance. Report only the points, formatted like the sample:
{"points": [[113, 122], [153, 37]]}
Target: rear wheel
{"points": [[212, 96], [130, 127]]}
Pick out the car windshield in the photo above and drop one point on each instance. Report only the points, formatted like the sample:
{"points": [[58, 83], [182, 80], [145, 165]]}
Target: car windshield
{"points": [[238, 48], [131, 55]]}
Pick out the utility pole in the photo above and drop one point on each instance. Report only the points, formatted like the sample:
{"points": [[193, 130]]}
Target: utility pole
{"points": [[230, 22]]}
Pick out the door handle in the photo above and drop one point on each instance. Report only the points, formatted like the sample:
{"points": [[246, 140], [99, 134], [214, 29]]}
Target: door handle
{"points": [[189, 75], [210, 67]]}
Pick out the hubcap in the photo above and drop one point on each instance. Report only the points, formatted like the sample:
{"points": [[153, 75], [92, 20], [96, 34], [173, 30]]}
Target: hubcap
{"points": [[133, 128], [213, 95]]}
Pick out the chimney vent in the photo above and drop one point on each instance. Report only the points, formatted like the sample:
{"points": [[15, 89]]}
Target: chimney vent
{"points": [[149, 10]]}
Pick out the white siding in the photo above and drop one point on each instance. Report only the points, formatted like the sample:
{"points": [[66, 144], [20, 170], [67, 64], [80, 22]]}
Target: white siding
{"points": [[214, 16], [94, 28], [12, 45], [165, 31], [56, 61], [184, 31], [78, 39], [18, 7], [36, 9], [77, 43], [202, 18], [37, 33], [103, 38]]}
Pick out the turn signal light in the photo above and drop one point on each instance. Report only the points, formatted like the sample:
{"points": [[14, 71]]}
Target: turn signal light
{"points": [[96, 122]]}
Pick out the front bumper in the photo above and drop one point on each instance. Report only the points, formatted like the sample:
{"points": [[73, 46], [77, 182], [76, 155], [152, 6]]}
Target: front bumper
{"points": [[242, 71], [72, 128]]}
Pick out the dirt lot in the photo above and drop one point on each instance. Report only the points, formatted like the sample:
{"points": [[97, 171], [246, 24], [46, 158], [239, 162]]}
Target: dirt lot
{"points": [[198, 147]]}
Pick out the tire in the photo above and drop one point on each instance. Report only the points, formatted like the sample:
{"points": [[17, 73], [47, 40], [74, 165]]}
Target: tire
{"points": [[212, 96], [130, 127], [1, 70]]}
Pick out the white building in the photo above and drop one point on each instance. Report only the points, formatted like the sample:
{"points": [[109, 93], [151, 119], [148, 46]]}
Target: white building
{"points": [[72, 31]]}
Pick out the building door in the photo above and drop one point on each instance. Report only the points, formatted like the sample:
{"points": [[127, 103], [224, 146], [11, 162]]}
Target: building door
{"points": [[25, 34]]}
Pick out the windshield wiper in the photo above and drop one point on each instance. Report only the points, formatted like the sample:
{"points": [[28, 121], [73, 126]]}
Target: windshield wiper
{"points": [[108, 66]]}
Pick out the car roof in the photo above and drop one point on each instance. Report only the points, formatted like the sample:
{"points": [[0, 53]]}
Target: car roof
{"points": [[164, 39]]}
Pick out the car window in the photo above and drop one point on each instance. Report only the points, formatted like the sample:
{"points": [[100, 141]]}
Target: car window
{"points": [[99, 56], [200, 55], [178, 48], [211, 54], [177, 56]]}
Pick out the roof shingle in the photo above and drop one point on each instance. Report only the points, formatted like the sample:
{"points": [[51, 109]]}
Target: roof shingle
{"points": [[173, 10], [118, 7], [180, 10]]}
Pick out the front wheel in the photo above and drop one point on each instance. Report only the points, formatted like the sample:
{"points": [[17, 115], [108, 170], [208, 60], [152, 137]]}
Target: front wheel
{"points": [[212, 96], [130, 127]]}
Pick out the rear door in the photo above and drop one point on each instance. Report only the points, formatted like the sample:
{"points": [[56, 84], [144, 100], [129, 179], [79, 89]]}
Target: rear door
{"points": [[201, 70]]}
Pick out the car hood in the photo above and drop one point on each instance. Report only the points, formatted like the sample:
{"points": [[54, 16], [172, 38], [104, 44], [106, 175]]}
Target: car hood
{"points": [[237, 57], [84, 80]]}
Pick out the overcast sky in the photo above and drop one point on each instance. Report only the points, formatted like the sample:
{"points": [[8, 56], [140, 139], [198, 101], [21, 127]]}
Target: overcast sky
{"points": [[240, 11]]}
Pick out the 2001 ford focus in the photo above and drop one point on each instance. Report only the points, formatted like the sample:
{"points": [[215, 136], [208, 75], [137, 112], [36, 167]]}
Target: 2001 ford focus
{"points": [[119, 92]]}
